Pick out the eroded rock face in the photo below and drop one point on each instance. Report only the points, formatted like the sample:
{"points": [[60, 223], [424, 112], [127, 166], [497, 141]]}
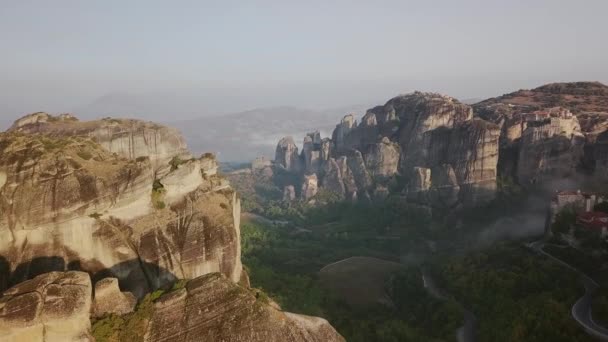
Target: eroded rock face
{"points": [[552, 147], [289, 193], [131, 139], [332, 179], [411, 132], [52, 307], [310, 186], [211, 308], [357, 166], [109, 300], [382, 159], [67, 202], [548, 132], [287, 154]]}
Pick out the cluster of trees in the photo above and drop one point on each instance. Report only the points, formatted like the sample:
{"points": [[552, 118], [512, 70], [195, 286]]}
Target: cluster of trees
{"points": [[517, 295], [285, 266]]}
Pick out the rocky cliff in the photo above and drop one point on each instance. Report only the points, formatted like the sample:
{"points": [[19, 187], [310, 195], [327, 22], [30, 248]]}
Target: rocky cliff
{"points": [[211, 308], [434, 150], [549, 132], [121, 199], [419, 132], [55, 307], [112, 197]]}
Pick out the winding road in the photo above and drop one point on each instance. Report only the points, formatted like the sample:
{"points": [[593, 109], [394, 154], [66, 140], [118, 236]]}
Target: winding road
{"points": [[465, 333], [581, 310]]}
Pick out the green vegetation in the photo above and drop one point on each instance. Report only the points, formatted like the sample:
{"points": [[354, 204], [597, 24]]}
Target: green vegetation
{"points": [[52, 144], [175, 162], [158, 194], [603, 207], [284, 263], [84, 154], [131, 327], [516, 294], [564, 220], [600, 307], [95, 215]]}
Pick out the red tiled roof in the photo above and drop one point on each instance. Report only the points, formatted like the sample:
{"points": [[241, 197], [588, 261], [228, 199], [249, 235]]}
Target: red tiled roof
{"points": [[593, 219]]}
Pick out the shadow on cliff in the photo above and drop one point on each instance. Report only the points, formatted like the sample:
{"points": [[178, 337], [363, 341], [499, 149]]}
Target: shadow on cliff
{"points": [[134, 275]]}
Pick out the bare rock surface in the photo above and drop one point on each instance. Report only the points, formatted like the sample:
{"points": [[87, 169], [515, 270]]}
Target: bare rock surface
{"points": [[76, 195], [287, 154], [128, 138], [53, 307], [410, 132], [310, 187], [109, 300], [212, 308]]}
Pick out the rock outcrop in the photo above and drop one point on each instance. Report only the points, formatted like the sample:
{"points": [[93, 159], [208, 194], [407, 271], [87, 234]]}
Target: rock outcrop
{"points": [[287, 154], [78, 195], [289, 193], [410, 132], [211, 308], [131, 139], [549, 132], [123, 203], [53, 307], [439, 152], [309, 187], [56, 307], [109, 300]]}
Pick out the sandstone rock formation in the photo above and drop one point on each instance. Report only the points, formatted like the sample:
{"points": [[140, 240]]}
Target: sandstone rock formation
{"points": [[549, 132], [211, 308], [287, 154], [410, 132], [309, 187], [439, 152], [109, 300], [131, 139], [551, 146], [139, 214], [124, 202], [289, 193], [53, 307], [382, 159]]}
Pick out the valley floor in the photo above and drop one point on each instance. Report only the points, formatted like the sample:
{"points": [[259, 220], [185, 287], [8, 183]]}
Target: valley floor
{"points": [[441, 291]]}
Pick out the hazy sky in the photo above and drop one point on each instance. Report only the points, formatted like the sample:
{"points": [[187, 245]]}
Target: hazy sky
{"points": [[196, 58]]}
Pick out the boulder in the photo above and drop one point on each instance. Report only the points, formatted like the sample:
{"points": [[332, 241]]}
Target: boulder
{"points": [[52, 307], [109, 300]]}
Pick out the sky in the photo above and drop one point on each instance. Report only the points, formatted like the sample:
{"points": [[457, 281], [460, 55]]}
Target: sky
{"points": [[186, 59]]}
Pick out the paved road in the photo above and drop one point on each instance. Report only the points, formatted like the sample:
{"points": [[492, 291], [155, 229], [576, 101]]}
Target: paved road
{"points": [[581, 310], [465, 333]]}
